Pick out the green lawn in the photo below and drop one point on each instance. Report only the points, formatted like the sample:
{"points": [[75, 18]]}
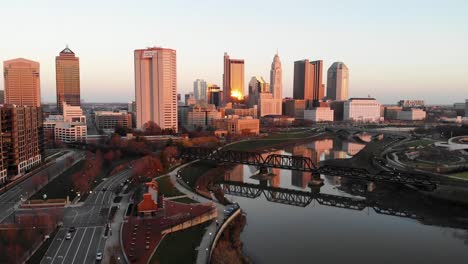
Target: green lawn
{"points": [[179, 247], [271, 140], [166, 187], [185, 200], [190, 174], [62, 185], [463, 175], [254, 144]]}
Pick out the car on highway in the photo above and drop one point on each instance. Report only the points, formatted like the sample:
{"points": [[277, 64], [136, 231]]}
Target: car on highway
{"points": [[68, 236], [99, 256], [72, 229]]}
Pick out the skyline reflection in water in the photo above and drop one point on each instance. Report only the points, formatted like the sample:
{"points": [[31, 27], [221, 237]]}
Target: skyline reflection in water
{"points": [[280, 233]]}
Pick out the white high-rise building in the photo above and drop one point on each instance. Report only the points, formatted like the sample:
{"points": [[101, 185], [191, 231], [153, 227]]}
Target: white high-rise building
{"points": [[156, 87], [199, 90], [362, 110], [276, 84], [337, 82]]}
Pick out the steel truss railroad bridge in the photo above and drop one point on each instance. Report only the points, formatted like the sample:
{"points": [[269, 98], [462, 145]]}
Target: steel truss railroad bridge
{"points": [[304, 198], [264, 160]]}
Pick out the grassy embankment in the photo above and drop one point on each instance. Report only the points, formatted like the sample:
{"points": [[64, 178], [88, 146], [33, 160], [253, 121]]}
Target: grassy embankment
{"points": [[274, 140], [462, 175], [167, 188], [179, 247], [62, 185]]}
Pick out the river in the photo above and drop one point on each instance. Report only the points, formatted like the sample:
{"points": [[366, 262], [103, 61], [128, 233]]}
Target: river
{"points": [[316, 231]]}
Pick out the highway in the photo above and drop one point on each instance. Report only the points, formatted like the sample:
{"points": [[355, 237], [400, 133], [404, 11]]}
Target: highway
{"points": [[90, 219], [11, 198]]}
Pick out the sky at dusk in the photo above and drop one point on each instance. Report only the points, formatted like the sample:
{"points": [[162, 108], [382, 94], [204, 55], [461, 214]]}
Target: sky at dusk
{"points": [[395, 50]]}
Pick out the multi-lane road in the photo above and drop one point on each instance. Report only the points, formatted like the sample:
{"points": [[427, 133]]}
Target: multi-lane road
{"points": [[89, 219], [11, 198]]}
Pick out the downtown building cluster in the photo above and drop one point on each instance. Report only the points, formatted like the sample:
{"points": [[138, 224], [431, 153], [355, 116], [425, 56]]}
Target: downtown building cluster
{"points": [[25, 128]]}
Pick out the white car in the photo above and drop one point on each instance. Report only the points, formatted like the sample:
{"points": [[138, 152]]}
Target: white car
{"points": [[99, 256], [68, 236]]}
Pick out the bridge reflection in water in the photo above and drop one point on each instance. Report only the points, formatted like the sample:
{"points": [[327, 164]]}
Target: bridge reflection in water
{"points": [[304, 198], [306, 164]]}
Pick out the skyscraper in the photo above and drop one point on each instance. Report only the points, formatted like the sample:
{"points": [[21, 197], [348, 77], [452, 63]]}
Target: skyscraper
{"points": [[22, 82], [337, 82], [276, 84], [276, 78], [233, 79], [214, 95], [67, 78], [199, 89], [308, 80], [156, 87], [257, 85]]}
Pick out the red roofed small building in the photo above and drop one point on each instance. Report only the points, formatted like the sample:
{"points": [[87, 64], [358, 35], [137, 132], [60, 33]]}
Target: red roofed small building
{"points": [[149, 204]]}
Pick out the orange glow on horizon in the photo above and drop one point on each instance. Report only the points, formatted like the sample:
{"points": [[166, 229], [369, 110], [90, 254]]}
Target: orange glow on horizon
{"points": [[237, 94]]}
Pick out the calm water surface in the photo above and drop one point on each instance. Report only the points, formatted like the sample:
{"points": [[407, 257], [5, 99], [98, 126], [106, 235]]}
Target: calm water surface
{"points": [[280, 233]]}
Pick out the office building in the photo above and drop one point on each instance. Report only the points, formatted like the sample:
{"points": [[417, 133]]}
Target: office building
{"points": [[337, 82], [73, 113], [67, 69], [338, 110], [214, 95], [199, 90], [238, 125], [257, 85], [21, 137], [294, 108], [57, 130], [22, 82], [276, 84], [319, 114], [233, 79], [413, 114], [156, 87], [108, 121], [267, 105], [361, 110], [190, 99], [392, 112], [308, 81], [68, 127], [201, 116], [276, 78]]}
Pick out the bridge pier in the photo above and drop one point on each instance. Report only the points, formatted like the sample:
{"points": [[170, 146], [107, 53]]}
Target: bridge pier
{"points": [[316, 180], [262, 170]]}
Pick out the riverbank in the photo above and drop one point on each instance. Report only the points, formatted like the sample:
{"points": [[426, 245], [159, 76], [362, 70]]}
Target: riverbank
{"points": [[277, 141]]}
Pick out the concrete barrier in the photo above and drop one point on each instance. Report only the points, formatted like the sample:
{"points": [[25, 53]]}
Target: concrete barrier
{"points": [[221, 230]]}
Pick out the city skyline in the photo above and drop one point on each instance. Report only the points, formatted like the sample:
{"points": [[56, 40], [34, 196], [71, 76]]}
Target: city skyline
{"points": [[389, 59]]}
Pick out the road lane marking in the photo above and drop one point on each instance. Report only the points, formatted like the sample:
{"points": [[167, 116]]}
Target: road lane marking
{"points": [[79, 245], [90, 242], [58, 249], [71, 243]]}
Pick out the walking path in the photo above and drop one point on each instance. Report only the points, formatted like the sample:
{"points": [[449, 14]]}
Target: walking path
{"points": [[204, 248]]}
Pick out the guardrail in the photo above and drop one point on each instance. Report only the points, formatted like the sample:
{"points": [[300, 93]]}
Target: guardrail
{"points": [[220, 230]]}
